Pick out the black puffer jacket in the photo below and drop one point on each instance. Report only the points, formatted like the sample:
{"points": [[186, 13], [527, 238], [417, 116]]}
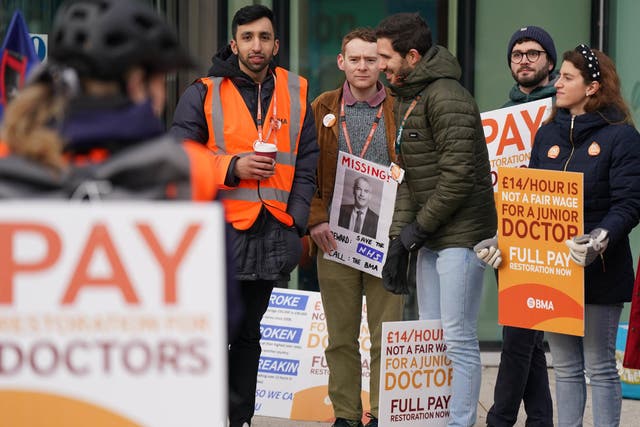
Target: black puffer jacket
{"points": [[609, 157], [447, 186]]}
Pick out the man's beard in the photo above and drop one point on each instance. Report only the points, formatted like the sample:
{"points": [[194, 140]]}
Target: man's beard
{"points": [[533, 81], [403, 73], [256, 68]]}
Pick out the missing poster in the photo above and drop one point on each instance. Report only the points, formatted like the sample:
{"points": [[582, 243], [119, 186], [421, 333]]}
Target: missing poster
{"points": [[361, 212]]}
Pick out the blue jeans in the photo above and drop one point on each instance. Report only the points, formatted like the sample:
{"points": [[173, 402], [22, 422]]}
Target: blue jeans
{"points": [[595, 355], [449, 287]]}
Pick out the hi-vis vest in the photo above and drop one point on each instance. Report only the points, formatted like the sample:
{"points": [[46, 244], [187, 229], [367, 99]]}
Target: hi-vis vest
{"points": [[188, 173], [232, 131]]}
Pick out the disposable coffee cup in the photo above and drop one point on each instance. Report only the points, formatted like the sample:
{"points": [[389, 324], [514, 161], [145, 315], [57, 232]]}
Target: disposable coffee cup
{"points": [[265, 149]]}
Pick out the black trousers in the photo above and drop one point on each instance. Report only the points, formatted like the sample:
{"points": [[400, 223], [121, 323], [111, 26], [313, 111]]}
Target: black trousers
{"points": [[244, 352], [522, 376]]}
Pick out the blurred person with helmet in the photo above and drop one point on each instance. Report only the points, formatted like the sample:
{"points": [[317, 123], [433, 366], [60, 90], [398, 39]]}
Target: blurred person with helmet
{"points": [[87, 125]]}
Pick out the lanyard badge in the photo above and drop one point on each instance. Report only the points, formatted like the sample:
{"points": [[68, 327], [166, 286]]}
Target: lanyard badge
{"points": [[404, 120]]}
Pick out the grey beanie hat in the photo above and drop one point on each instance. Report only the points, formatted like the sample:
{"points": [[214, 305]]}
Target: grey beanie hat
{"points": [[537, 34]]}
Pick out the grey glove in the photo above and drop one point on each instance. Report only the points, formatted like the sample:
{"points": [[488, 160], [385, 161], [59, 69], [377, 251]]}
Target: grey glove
{"points": [[413, 236], [488, 251], [585, 249]]}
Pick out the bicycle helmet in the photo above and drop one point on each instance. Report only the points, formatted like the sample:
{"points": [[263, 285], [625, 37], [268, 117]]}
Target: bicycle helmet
{"points": [[103, 39]]}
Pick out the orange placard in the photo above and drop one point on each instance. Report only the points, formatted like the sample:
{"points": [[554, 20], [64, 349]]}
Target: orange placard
{"points": [[539, 286]]}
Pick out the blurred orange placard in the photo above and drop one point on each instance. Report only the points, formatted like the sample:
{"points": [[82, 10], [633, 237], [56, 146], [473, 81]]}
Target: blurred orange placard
{"points": [[539, 286]]}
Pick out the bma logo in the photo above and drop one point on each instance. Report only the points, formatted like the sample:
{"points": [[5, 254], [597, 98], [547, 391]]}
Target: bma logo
{"points": [[540, 304]]}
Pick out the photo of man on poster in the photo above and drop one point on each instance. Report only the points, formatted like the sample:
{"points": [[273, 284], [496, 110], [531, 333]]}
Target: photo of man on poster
{"points": [[356, 213], [360, 213]]}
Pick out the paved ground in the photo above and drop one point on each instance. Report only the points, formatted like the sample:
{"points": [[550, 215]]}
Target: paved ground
{"points": [[630, 408]]}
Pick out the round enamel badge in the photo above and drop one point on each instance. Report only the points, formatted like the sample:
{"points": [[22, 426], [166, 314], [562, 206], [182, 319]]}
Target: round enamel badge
{"points": [[329, 120], [594, 149]]}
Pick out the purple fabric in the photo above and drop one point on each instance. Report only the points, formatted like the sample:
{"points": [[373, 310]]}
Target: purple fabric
{"points": [[94, 127]]}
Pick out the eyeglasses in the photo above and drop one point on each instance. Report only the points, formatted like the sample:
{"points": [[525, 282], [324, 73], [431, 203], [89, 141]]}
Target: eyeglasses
{"points": [[532, 55]]}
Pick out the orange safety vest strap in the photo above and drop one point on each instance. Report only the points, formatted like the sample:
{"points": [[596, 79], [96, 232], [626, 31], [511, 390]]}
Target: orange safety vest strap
{"points": [[4, 149], [295, 91], [95, 155], [266, 193], [242, 213], [215, 114], [216, 124], [243, 210], [205, 176], [251, 211], [267, 187], [235, 137], [281, 215]]}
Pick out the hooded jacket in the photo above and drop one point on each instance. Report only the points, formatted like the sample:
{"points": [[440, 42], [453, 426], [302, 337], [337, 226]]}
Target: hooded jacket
{"points": [[516, 96], [607, 153], [268, 250], [447, 187], [190, 123]]}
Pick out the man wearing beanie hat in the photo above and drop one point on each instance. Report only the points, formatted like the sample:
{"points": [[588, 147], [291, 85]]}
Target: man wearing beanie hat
{"points": [[531, 55], [522, 374]]}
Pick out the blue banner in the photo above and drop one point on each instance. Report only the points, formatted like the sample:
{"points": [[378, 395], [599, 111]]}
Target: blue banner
{"points": [[17, 58]]}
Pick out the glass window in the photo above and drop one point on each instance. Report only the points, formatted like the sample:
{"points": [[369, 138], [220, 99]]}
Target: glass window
{"points": [[622, 49], [323, 24], [623, 36], [497, 20], [37, 13]]}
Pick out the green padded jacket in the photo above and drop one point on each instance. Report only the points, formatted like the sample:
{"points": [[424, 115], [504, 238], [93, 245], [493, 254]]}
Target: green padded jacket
{"points": [[447, 186]]}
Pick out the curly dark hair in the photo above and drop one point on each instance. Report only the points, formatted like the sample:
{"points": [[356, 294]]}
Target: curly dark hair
{"points": [[406, 31]]}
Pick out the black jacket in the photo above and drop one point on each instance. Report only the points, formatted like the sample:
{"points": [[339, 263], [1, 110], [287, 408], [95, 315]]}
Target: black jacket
{"points": [[608, 155], [447, 187], [189, 122], [268, 250]]}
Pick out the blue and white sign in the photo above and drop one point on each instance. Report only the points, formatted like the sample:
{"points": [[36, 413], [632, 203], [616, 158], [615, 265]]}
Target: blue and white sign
{"points": [[41, 45]]}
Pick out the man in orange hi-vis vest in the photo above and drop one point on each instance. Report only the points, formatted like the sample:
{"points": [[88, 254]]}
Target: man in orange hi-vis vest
{"points": [[246, 103]]}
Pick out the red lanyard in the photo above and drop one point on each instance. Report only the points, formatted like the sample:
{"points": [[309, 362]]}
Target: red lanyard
{"points": [[343, 121], [273, 123], [404, 119]]}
